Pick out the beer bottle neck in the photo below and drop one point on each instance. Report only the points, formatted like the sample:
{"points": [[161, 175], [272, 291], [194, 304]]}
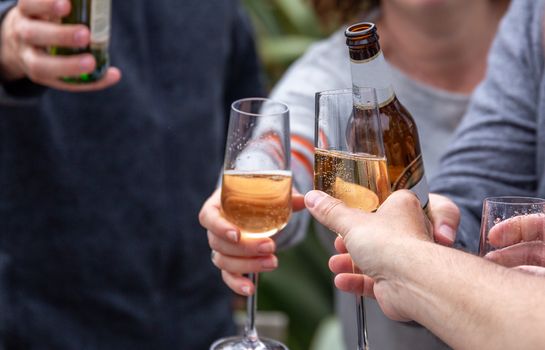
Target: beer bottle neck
{"points": [[373, 72]]}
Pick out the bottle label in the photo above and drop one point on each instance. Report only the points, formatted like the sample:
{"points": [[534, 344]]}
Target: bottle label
{"points": [[375, 73], [100, 20], [414, 179]]}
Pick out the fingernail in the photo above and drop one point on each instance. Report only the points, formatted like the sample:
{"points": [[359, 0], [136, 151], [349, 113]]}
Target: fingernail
{"points": [[86, 63], [232, 235], [245, 290], [447, 232], [265, 248], [80, 37], [313, 198], [269, 263]]}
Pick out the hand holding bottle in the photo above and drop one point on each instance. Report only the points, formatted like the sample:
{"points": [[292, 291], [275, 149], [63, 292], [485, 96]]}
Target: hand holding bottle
{"points": [[29, 29], [381, 244]]}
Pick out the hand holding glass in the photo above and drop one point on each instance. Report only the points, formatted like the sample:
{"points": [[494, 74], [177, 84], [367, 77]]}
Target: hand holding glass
{"points": [[512, 231], [256, 189], [349, 161]]}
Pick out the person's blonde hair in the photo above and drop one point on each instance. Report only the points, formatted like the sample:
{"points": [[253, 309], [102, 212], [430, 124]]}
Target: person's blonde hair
{"points": [[342, 10]]}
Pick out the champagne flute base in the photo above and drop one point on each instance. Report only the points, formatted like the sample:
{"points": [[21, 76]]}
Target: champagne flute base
{"points": [[238, 343]]}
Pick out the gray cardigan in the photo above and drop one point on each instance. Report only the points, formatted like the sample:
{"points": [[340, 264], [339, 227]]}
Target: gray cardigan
{"points": [[499, 148]]}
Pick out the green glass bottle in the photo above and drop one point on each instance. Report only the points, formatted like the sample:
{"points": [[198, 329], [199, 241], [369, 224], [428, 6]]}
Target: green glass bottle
{"points": [[96, 14]]}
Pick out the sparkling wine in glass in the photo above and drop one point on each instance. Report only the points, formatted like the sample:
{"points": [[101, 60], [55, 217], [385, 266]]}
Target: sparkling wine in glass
{"points": [[259, 202], [349, 160], [256, 190]]}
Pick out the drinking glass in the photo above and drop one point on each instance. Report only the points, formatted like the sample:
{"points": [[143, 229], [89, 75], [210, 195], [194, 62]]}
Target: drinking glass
{"points": [[511, 228], [256, 190], [349, 161]]}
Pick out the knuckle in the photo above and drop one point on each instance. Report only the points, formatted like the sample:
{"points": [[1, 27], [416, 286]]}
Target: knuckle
{"points": [[202, 216], [249, 250], [218, 260], [454, 208], [538, 259], [328, 208], [11, 21], [229, 280], [33, 70], [25, 32], [18, 29], [213, 241], [226, 277], [349, 238], [246, 250], [23, 6], [411, 198], [210, 237], [65, 36], [29, 64]]}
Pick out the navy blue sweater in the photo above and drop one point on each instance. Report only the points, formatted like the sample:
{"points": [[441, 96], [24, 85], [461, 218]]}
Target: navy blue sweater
{"points": [[100, 244]]}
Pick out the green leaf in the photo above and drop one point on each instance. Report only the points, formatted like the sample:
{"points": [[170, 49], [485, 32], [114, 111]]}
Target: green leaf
{"points": [[264, 17], [285, 49], [300, 16]]}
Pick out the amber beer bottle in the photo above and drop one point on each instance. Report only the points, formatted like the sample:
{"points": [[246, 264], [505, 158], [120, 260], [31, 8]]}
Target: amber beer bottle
{"points": [[96, 14], [401, 143]]}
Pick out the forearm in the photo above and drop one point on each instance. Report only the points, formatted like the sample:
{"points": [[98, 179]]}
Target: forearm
{"points": [[476, 305]]}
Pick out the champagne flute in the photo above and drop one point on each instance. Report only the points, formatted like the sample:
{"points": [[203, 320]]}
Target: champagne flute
{"points": [[256, 190], [349, 161]]}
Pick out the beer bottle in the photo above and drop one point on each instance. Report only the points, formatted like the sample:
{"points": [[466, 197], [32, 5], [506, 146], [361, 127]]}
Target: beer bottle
{"points": [[96, 14], [400, 135]]}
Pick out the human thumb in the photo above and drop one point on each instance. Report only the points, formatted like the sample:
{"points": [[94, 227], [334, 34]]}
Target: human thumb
{"points": [[445, 218], [331, 212]]}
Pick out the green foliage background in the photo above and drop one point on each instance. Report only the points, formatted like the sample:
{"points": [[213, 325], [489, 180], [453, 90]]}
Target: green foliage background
{"points": [[284, 30], [302, 285]]}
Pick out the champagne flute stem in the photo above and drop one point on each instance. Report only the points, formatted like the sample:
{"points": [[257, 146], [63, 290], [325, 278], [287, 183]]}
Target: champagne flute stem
{"points": [[250, 331], [363, 344]]}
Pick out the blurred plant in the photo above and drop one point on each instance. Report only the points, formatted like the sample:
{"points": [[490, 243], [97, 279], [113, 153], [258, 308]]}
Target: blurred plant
{"points": [[285, 29], [301, 288]]}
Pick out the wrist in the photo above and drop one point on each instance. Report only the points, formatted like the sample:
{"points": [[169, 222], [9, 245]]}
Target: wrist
{"points": [[400, 258], [406, 276]]}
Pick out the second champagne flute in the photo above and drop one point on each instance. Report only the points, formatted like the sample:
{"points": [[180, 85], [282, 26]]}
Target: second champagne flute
{"points": [[512, 230], [256, 190], [349, 161]]}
